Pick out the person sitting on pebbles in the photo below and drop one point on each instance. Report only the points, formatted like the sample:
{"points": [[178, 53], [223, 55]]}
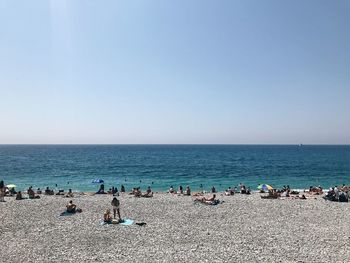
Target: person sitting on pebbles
{"points": [[148, 193], [31, 194], [171, 190], [136, 192], [69, 194], [72, 208], [107, 217], [229, 191], [19, 195], [187, 191]]}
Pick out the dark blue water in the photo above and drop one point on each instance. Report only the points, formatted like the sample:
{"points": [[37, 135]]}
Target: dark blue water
{"points": [[74, 166]]}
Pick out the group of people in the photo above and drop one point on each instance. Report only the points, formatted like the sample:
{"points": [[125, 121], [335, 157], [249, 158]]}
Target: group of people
{"points": [[315, 190], [136, 191], [6, 191], [207, 200], [113, 190], [180, 190], [338, 194], [230, 191], [72, 208], [107, 216]]}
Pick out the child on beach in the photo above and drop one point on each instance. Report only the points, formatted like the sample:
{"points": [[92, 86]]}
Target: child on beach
{"points": [[107, 217]]}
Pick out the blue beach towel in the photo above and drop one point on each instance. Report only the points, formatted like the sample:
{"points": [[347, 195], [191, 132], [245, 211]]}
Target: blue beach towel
{"points": [[127, 222]]}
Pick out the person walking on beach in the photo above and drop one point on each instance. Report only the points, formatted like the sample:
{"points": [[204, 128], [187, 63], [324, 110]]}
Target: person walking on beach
{"points": [[116, 207]]}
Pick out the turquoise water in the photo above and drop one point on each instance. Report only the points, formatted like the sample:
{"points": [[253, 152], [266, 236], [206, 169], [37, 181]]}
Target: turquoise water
{"points": [[75, 166]]}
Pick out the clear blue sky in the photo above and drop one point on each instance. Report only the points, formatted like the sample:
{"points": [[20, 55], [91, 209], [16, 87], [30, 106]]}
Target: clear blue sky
{"points": [[184, 71]]}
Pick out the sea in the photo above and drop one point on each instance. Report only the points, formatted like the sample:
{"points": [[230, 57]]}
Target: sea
{"points": [[161, 166]]}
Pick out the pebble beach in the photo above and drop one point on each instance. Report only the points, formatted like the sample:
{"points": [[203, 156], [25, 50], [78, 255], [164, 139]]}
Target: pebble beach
{"points": [[243, 228]]}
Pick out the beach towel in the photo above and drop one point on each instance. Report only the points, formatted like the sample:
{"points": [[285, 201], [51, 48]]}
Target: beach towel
{"points": [[126, 222]]}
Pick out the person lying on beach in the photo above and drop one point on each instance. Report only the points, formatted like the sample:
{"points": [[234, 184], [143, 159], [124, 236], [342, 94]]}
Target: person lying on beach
{"points": [[19, 195], [206, 199], [285, 193], [116, 207], [31, 194], [272, 195], [107, 217], [315, 190]]}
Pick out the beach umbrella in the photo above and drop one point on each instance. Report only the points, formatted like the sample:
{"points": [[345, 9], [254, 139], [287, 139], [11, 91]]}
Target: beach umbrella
{"points": [[97, 181], [11, 186], [265, 187]]}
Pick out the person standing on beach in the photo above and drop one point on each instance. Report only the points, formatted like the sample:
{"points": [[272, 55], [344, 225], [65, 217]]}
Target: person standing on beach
{"points": [[116, 207], [2, 191]]}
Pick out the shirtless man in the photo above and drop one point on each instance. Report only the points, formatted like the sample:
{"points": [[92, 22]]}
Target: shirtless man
{"points": [[71, 208]]}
